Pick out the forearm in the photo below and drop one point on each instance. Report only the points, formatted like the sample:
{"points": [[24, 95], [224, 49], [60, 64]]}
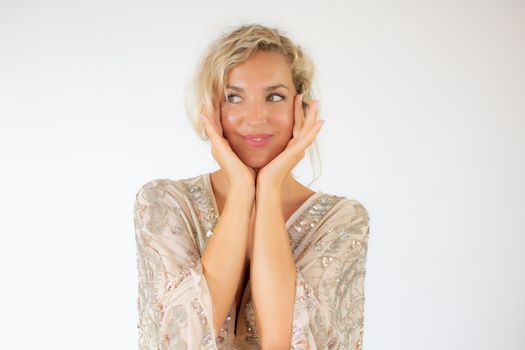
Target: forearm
{"points": [[224, 257], [272, 272]]}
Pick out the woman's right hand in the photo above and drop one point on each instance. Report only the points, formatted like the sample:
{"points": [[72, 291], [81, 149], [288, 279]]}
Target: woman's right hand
{"points": [[237, 172]]}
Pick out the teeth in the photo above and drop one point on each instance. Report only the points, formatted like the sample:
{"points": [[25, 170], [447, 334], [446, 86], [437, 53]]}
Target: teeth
{"points": [[257, 138]]}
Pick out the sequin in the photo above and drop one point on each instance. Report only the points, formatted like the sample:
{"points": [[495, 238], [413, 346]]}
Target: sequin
{"points": [[207, 339], [310, 218], [176, 230], [326, 260], [329, 243], [202, 204], [251, 328]]}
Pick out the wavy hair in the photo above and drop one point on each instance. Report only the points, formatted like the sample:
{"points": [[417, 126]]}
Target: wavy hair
{"points": [[207, 87]]}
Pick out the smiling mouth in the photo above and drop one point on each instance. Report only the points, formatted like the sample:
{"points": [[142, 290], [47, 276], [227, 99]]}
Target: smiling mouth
{"points": [[257, 140]]}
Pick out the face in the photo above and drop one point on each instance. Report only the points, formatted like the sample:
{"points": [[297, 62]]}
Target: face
{"points": [[260, 103]]}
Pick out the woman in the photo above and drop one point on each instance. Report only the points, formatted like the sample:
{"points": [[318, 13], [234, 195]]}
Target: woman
{"points": [[247, 257]]}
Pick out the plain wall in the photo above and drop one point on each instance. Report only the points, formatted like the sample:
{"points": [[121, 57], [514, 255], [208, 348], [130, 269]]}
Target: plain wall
{"points": [[424, 103]]}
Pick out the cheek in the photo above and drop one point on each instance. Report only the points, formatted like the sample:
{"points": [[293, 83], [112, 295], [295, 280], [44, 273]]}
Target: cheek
{"points": [[281, 116], [229, 119], [284, 117]]}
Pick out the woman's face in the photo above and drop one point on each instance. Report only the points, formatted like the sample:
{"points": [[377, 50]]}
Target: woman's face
{"points": [[260, 103]]}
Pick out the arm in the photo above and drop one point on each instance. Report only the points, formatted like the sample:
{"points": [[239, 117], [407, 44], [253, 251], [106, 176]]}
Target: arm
{"points": [[272, 272], [329, 304], [225, 253], [173, 301], [224, 257]]}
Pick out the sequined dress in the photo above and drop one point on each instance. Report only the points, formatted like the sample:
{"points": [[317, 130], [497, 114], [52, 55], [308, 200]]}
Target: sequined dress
{"points": [[174, 219]]}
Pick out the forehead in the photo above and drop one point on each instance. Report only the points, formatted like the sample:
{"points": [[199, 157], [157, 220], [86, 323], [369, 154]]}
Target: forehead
{"points": [[262, 68]]}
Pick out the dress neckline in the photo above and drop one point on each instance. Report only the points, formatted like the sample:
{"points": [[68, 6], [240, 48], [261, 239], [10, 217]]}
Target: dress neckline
{"points": [[291, 219]]}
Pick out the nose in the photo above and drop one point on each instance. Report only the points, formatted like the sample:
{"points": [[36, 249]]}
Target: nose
{"points": [[255, 114]]}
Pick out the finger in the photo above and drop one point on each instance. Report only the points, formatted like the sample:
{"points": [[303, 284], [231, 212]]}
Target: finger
{"points": [[211, 119], [298, 115], [219, 145], [310, 120], [296, 148], [309, 138], [300, 146], [217, 121], [209, 127]]}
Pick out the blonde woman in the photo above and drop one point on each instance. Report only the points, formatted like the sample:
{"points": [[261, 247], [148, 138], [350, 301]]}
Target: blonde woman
{"points": [[246, 257]]}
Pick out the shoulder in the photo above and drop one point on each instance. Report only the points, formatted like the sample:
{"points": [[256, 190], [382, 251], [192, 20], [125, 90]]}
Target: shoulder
{"points": [[350, 213], [163, 203], [163, 197], [346, 205], [357, 208], [153, 189], [166, 194]]}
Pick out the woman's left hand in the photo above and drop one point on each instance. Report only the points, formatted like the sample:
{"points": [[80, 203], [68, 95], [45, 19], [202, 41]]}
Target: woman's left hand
{"points": [[305, 131]]}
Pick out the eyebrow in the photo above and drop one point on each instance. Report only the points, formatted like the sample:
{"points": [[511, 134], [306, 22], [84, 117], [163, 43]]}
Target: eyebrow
{"points": [[269, 88]]}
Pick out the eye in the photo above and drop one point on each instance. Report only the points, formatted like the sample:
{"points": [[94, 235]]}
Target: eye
{"points": [[282, 97], [230, 96]]}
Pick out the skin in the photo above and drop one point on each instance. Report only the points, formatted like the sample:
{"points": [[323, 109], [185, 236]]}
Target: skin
{"points": [[256, 193]]}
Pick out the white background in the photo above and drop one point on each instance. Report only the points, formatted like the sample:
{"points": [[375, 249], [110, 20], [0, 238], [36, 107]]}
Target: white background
{"points": [[424, 104]]}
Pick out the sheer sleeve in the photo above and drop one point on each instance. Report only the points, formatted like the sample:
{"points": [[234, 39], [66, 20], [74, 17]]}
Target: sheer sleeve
{"points": [[174, 304], [329, 301]]}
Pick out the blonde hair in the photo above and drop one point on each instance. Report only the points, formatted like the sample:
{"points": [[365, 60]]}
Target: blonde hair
{"points": [[207, 88]]}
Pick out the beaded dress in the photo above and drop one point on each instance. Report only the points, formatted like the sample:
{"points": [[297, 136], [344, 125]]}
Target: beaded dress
{"points": [[174, 219]]}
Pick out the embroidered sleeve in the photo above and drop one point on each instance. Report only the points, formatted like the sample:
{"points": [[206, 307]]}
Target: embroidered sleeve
{"points": [[174, 303], [329, 302]]}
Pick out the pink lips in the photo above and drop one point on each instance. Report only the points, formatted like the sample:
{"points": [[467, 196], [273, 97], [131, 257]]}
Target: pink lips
{"points": [[257, 140]]}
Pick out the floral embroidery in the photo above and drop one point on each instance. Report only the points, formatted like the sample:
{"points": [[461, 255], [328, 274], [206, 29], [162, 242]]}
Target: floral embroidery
{"points": [[207, 340], [330, 245], [202, 204], [163, 321], [310, 218], [333, 296], [172, 337]]}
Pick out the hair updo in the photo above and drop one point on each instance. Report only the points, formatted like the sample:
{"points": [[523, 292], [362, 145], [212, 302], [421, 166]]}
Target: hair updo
{"points": [[207, 87]]}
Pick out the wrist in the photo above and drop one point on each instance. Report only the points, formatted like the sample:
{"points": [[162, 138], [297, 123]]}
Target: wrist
{"points": [[242, 190], [267, 190]]}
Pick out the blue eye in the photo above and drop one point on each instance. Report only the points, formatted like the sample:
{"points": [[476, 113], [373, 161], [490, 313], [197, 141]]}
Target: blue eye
{"points": [[230, 96], [282, 97]]}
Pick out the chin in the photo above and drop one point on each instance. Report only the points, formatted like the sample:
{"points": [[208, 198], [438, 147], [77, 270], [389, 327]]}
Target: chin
{"points": [[258, 159], [255, 162]]}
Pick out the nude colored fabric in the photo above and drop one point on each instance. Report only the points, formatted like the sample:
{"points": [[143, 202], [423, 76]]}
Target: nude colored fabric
{"points": [[174, 219]]}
